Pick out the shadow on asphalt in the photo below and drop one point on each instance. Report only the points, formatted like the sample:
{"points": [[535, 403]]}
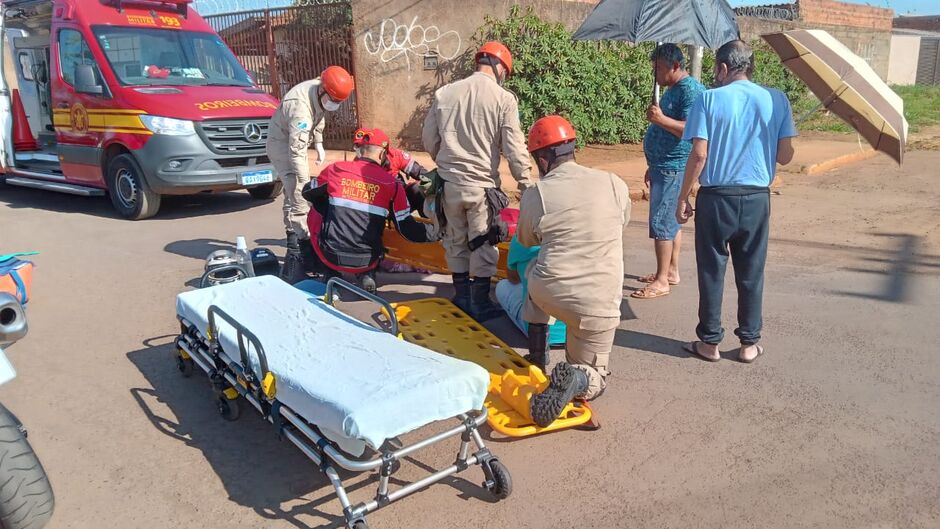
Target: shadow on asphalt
{"points": [[171, 208], [904, 262], [650, 343]]}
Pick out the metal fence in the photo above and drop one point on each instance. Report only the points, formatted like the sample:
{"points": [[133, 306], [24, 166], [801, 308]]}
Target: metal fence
{"points": [[285, 46], [770, 12]]}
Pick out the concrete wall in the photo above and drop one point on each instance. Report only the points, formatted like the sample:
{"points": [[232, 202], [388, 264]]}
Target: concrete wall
{"points": [[833, 13], [902, 67], [872, 45], [922, 23], [392, 38]]}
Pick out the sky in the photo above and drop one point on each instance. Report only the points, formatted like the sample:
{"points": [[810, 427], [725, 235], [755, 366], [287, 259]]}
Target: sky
{"points": [[901, 7]]}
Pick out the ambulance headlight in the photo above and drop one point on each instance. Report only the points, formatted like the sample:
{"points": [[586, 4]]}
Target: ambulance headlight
{"points": [[168, 126]]}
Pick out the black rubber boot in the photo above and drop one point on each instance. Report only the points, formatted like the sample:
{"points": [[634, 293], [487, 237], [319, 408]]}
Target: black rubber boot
{"points": [[462, 289], [538, 346], [367, 281], [311, 261], [292, 243], [566, 383], [481, 308]]}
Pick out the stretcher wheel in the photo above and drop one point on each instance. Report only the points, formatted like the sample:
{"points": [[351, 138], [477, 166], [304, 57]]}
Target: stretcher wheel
{"points": [[360, 524], [228, 409], [185, 366], [501, 482]]}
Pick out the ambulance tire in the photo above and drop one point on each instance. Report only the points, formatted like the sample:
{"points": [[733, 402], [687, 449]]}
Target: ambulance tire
{"points": [[129, 191], [266, 191], [26, 499]]}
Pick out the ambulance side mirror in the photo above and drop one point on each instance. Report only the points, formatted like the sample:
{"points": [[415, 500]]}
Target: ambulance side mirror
{"points": [[86, 82]]}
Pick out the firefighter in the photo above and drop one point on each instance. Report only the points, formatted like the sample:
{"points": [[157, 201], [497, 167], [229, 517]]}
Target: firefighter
{"points": [[401, 165], [351, 202], [301, 115], [469, 123], [578, 274]]}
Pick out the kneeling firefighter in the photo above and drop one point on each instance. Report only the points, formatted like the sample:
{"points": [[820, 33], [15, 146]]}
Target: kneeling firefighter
{"points": [[578, 274], [351, 203]]}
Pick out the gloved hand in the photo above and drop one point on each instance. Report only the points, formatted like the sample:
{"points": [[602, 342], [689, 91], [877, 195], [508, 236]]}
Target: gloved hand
{"points": [[321, 154], [503, 228]]}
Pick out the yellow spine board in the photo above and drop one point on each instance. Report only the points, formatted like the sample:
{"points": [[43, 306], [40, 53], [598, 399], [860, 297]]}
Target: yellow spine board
{"points": [[429, 256], [438, 324]]}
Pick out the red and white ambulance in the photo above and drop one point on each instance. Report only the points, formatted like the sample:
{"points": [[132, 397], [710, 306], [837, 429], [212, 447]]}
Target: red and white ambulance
{"points": [[133, 98]]}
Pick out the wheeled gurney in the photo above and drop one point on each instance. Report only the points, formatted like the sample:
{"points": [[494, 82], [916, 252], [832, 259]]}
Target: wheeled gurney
{"points": [[335, 387]]}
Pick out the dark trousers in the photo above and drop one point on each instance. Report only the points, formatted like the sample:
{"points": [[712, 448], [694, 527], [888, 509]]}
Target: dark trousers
{"points": [[731, 221]]}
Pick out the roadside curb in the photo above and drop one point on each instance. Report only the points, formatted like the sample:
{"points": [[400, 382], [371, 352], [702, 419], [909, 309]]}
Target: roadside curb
{"points": [[834, 163]]}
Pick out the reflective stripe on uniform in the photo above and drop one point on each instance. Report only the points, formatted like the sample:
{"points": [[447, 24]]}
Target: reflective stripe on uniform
{"points": [[358, 206]]}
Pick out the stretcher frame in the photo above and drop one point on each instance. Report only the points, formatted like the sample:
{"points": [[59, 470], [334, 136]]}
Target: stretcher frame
{"points": [[232, 379]]}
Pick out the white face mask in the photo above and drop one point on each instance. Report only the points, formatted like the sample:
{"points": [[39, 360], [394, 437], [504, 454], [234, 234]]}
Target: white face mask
{"points": [[328, 104]]}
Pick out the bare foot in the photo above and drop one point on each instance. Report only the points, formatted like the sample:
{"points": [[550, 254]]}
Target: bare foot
{"points": [[672, 278], [749, 353], [705, 351]]}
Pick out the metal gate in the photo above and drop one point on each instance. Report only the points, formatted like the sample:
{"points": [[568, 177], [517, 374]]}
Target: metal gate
{"points": [[285, 46], [928, 63]]}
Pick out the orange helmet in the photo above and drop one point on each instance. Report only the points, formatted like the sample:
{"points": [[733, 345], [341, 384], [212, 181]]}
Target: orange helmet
{"points": [[337, 83], [549, 131], [497, 50]]}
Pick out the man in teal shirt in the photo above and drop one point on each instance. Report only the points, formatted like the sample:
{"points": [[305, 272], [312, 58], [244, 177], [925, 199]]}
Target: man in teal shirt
{"points": [[511, 293], [666, 154]]}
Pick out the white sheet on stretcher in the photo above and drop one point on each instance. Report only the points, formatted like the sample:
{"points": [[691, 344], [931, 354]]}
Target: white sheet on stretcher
{"points": [[357, 384]]}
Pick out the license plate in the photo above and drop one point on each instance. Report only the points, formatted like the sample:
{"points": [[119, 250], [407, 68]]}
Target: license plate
{"points": [[255, 177], [7, 373]]}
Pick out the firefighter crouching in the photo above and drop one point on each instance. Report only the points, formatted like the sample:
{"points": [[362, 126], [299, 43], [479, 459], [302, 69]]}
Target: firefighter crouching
{"points": [[351, 203], [577, 215]]}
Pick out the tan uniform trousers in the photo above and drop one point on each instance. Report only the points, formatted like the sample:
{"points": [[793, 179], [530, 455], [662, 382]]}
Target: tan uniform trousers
{"points": [[589, 339], [295, 206], [467, 218]]}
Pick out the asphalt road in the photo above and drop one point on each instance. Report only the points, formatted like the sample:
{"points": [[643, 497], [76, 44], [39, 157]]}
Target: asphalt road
{"points": [[836, 426]]}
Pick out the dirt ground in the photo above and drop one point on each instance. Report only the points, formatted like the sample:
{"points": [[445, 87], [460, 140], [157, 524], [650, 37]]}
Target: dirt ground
{"points": [[835, 427]]}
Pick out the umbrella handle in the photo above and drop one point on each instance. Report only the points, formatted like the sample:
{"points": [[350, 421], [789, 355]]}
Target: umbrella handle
{"points": [[655, 95]]}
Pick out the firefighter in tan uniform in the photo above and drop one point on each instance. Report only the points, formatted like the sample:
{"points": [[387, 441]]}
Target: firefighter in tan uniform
{"points": [[301, 114], [469, 123], [578, 216]]}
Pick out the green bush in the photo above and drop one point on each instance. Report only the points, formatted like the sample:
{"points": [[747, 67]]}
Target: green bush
{"points": [[603, 88]]}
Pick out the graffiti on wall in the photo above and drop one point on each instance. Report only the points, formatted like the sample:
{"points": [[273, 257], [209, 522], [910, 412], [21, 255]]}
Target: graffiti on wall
{"points": [[411, 41]]}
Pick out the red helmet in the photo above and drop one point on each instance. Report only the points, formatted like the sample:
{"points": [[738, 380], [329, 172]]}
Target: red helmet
{"points": [[548, 131], [370, 137], [497, 50], [337, 83]]}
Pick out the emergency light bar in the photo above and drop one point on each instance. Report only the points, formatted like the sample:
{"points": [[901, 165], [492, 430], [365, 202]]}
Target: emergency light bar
{"points": [[179, 6]]}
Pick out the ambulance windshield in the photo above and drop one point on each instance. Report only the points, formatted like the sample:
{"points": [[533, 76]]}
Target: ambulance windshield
{"points": [[162, 57]]}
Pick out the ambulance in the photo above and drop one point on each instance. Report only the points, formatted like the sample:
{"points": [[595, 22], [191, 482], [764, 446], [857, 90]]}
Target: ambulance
{"points": [[134, 99]]}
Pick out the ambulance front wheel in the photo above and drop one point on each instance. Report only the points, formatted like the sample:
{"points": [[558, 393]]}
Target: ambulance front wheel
{"points": [[130, 193], [266, 191]]}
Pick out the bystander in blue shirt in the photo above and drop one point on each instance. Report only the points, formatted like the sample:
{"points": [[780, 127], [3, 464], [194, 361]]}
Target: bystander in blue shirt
{"points": [[743, 121]]}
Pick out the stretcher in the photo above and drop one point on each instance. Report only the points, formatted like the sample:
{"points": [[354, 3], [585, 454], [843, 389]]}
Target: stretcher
{"points": [[333, 386], [439, 325]]}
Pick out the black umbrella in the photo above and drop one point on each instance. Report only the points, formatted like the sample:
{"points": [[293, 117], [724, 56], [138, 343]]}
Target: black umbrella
{"points": [[707, 23]]}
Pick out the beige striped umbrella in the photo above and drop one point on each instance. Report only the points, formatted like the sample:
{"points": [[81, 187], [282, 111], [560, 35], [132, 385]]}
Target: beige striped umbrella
{"points": [[845, 85]]}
